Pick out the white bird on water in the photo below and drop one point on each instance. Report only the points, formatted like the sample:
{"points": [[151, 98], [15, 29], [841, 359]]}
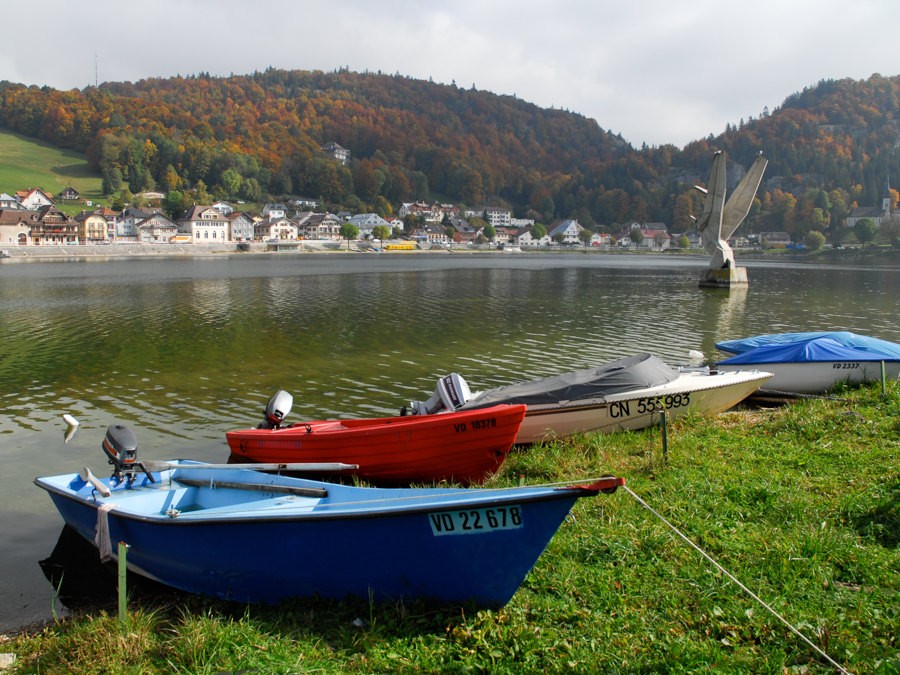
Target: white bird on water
{"points": [[71, 426]]}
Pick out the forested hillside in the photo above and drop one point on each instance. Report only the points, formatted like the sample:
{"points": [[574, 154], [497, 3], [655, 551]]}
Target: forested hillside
{"points": [[830, 146]]}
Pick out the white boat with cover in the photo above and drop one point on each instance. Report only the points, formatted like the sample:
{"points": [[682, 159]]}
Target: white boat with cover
{"points": [[630, 393]]}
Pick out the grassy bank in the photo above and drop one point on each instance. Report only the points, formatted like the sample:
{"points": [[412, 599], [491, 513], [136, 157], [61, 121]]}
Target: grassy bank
{"points": [[26, 163], [800, 503]]}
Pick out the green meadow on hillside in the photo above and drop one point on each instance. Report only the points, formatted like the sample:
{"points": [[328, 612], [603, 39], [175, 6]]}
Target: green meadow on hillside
{"points": [[26, 163]]}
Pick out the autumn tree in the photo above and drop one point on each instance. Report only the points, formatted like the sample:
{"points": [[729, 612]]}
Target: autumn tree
{"points": [[636, 236], [175, 203], [814, 240], [865, 230], [585, 236], [349, 231], [231, 182], [684, 209], [381, 232]]}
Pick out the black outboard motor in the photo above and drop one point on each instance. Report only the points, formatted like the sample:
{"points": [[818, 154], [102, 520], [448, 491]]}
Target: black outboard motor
{"points": [[120, 446], [276, 410], [451, 393]]}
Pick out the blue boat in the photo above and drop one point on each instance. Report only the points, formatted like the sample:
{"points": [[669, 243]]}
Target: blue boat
{"points": [[243, 535], [813, 362]]}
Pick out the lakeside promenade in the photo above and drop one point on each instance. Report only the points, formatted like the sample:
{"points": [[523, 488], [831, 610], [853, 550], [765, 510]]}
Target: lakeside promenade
{"points": [[132, 250]]}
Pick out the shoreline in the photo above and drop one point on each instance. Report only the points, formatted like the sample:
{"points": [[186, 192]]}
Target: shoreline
{"points": [[882, 258]]}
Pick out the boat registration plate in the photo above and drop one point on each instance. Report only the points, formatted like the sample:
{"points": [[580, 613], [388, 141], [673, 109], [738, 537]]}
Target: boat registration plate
{"points": [[473, 521]]}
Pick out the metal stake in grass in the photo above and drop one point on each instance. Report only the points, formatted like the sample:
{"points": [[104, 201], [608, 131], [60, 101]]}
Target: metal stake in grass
{"points": [[664, 418], [123, 573]]}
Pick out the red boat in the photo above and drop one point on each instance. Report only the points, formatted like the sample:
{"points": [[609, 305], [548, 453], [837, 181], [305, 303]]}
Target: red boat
{"points": [[463, 447]]}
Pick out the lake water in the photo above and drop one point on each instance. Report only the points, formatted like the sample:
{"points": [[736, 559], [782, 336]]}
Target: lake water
{"points": [[183, 349]]}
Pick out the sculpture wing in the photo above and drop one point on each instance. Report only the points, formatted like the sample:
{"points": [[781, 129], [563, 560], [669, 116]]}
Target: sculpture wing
{"points": [[709, 222], [740, 201]]}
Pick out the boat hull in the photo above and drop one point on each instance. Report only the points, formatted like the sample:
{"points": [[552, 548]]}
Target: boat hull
{"points": [[189, 532], [698, 393], [820, 376], [465, 447]]}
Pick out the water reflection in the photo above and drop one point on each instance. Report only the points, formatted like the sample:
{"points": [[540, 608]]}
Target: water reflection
{"points": [[724, 311], [80, 581]]}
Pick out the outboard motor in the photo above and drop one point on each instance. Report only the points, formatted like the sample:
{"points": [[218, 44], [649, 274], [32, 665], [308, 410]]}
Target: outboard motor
{"points": [[120, 446], [276, 410], [451, 393]]}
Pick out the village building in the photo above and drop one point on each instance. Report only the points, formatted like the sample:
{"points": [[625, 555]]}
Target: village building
{"points": [[525, 238], [367, 222], [653, 236], [203, 225], [279, 228], [34, 198], [693, 237], [8, 202], [430, 234], [125, 227], [69, 193], [305, 203], [92, 228], [337, 152], [877, 214], [52, 227], [601, 239], [157, 228], [151, 196], [241, 225], [463, 231], [225, 208], [495, 215], [274, 210], [429, 213], [320, 226], [15, 227], [112, 219], [774, 239], [504, 235], [567, 232]]}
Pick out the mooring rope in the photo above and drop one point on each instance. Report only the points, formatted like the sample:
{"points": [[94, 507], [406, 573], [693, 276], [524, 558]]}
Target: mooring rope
{"points": [[728, 574]]}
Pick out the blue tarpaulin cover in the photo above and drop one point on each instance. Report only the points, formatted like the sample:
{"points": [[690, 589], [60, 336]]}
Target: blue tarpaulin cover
{"points": [[815, 349], [846, 338]]}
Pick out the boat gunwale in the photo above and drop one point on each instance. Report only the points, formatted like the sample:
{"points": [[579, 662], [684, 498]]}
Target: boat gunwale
{"points": [[510, 411], [201, 517]]}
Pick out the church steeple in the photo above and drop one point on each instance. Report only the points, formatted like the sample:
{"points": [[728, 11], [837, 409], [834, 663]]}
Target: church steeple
{"points": [[886, 199]]}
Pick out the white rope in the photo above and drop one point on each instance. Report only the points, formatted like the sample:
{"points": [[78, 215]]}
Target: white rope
{"points": [[739, 584]]}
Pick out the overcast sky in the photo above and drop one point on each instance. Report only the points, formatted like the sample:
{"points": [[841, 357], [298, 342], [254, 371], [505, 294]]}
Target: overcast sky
{"points": [[654, 71]]}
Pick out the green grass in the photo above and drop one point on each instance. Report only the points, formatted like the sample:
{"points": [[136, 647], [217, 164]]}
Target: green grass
{"points": [[27, 163], [801, 503]]}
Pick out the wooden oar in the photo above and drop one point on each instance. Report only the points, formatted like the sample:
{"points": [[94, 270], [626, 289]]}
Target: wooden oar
{"points": [[281, 489], [327, 467], [89, 477]]}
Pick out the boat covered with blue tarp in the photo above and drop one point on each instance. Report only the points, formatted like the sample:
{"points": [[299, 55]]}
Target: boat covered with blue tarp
{"points": [[814, 362]]}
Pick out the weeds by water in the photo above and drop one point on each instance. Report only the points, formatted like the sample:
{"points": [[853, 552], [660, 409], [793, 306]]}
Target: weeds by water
{"points": [[801, 503]]}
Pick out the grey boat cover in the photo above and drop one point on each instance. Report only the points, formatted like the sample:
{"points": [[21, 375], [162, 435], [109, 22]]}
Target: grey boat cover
{"points": [[632, 372]]}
